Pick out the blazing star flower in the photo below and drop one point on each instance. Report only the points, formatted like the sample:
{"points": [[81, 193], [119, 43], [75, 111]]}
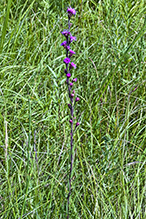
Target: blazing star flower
{"points": [[72, 65], [71, 11], [72, 38], [65, 33], [71, 52], [71, 93], [63, 44], [74, 80], [66, 60]]}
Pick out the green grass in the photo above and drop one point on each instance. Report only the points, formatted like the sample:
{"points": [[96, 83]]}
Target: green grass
{"points": [[109, 172]]}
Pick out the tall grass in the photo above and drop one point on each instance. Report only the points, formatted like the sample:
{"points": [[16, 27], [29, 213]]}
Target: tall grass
{"points": [[109, 175]]}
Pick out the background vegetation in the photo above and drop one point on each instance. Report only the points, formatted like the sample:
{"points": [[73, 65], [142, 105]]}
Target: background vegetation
{"points": [[109, 175]]}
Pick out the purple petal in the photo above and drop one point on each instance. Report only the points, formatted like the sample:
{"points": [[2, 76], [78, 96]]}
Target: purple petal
{"points": [[71, 52], [72, 38], [63, 44], [74, 80], [65, 33], [72, 65]]}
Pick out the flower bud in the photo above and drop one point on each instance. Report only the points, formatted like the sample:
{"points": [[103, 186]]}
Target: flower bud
{"points": [[77, 99], [69, 105], [66, 60], [77, 124], [70, 121], [68, 75]]}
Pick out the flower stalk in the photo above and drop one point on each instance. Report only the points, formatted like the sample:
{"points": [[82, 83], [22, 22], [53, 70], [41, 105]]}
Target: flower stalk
{"points": [[71, 93]]}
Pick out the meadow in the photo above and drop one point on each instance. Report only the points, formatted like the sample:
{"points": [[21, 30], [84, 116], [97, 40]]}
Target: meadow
{"points": [[109, 169]]}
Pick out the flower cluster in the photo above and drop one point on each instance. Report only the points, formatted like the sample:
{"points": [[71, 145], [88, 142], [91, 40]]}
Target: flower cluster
{"points": [[69, 64]]}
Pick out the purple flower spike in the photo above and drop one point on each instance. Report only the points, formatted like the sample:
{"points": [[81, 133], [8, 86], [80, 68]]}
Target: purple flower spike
{"points": [[72, 38], [68, 75], [66, 60], [71, 94], [74, 80], [71, 52], [77, 99], [72, 65], [65, 33], [71, 11]]}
